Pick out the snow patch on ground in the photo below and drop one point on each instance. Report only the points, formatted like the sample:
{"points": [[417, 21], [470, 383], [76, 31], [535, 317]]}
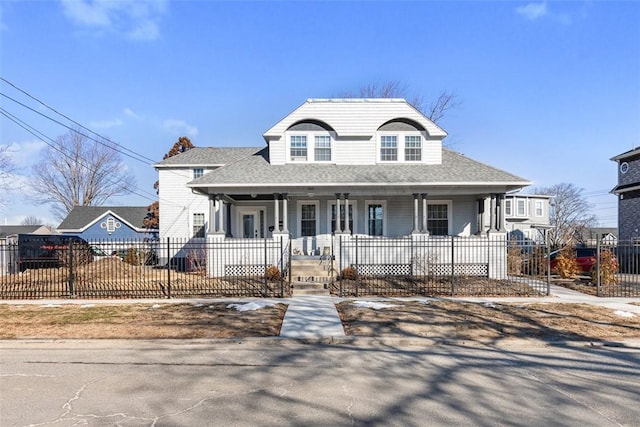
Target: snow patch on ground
{"points": [[52, 305], [374, 305], [250, 306], [622, 313]]}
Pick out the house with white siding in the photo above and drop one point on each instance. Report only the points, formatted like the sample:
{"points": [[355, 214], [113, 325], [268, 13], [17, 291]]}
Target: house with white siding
{"points": [[373, 168], [527, 216]]}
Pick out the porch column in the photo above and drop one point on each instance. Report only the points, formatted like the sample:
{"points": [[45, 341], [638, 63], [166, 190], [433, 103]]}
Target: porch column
{"points": [[492, 213], [285, 215], [416, 213], [424, 213], [499, 213], [220, 225], [276, 213], [480, 215], [212, 214], [338, 229], [347, 229]]}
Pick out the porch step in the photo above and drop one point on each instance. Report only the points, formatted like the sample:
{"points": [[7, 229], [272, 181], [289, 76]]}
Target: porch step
{"points": [[311, 269], [309, 288]]}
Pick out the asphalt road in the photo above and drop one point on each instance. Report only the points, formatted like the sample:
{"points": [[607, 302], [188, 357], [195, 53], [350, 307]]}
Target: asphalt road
{"points": [[265, 382]]}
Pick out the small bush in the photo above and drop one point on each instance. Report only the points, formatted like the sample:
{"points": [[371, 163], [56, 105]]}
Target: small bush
{"points": [[514, 260], [134, 257], [608, 269], [567, 266], [272, 273], [348, 273]]}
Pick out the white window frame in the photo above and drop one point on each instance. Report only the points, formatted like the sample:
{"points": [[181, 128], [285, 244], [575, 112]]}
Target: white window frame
{"points": [[385, 214], [449, 204], [508, 207], [299, 215], [380, 148], [539, 208], [418, 147], [524, 206], [354, 210], [315, 147], [192, 224], [290, 147], [198, 172]]}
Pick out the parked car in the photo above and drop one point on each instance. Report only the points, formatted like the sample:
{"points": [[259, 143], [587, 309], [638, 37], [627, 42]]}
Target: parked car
{"points": [[587, 259]]}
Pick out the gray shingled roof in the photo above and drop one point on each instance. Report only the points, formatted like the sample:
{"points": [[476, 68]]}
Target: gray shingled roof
{"points": [[9, 230], [208, 156], [455, 169], [81, 216]]}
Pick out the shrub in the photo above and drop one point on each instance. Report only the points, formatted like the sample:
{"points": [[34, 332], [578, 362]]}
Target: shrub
{"points": [[567, 266], [272, 273], [514, 260], [134, 257], [348, 273], [608, 269], [81, 255]]}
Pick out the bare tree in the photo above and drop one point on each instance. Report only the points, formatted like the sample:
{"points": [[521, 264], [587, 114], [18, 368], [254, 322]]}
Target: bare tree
{"points": [[569, 214], [435, 111], [32, 220], [6, 169], [78, 171], [152, 219]]}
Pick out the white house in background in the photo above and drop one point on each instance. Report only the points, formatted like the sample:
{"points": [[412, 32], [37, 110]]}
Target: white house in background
{"points": [[526, 216], [367, 167]]}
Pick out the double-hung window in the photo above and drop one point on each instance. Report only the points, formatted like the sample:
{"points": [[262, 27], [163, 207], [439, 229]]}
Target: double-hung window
{"points": [[388, 148], [539, 211], [521, 207], [198, 225], [322, 148], [438, 219], [508, 210], [412, 148], [298, 147], [198, 172]]}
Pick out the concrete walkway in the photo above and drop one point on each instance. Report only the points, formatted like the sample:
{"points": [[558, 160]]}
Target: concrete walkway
{"points": [[311, 316]]}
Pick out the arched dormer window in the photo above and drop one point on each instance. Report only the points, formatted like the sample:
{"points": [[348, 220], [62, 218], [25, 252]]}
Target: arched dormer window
{"points": [[400, 140], [310, 141]]}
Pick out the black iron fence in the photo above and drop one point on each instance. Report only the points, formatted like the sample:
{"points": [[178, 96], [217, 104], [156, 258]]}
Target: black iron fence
{"points": [[480, 266], [168, 268], [414, 265]]}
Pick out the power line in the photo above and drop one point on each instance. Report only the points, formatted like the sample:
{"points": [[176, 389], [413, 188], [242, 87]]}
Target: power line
{"points": [[142, 156]]}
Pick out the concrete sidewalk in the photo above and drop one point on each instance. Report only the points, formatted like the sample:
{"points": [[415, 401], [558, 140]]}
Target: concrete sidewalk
{"points": [[312, 316]]}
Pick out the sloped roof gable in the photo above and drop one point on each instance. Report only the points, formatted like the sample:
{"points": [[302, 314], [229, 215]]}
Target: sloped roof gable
{"points": [[82, 217]]}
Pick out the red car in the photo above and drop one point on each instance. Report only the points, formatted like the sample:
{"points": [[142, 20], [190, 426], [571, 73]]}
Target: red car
{"points": [[587, 258]]}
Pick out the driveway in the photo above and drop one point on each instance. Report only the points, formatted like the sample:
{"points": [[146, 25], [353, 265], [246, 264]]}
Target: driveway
{"points": [[280, 382]]}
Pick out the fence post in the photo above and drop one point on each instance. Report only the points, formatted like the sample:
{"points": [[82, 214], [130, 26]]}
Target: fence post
{"points": [[266, 285], [548, 249], [356, 273], [168, 268], [453, 286], [339, 272], [71, 293], [281, 270], [598, 289]]}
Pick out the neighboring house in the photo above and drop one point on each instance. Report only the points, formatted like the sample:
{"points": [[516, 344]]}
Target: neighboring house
{"points": [[607, 236], [628, 192], [368, 167], [107, 223], [526, 216]]}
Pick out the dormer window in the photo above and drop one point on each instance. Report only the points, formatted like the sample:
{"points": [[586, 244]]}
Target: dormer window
{"points": [[299, 147], [388, 148], [322, 148], [413, 148], [197, 173]]}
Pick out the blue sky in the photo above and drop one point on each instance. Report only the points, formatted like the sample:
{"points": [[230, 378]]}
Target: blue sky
{"points": [[549, 90]]}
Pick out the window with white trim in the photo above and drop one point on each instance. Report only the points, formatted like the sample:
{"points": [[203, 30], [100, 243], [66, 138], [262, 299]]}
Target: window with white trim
{"points": [[198, 172], [198, 225], [308, 219], [412, 148], [322, 149], [508, 209], [298, 147], [375, 219], [538, 208], [521, 207], [388, 148], [438, 219]]}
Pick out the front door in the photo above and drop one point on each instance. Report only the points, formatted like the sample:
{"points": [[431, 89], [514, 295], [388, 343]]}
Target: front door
{"points": [[249, 229], [250, 222]]}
